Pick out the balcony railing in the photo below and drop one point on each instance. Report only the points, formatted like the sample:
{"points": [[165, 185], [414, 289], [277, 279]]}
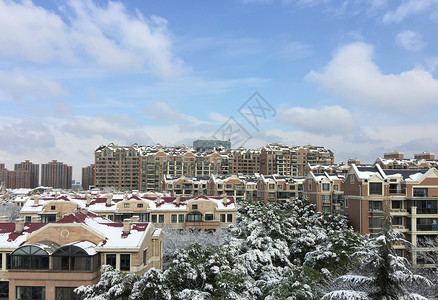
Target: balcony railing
{"points": [[427, 210], [397, 191]]}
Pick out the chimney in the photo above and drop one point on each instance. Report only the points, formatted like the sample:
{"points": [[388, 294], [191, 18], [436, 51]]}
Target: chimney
{"points": [[158, 199], [19, 225], [108, 200], [126, 226], [178, 199], [36, 219], [88, 200], [225, 199], [4, 219], [135, 219], [35, 201]]}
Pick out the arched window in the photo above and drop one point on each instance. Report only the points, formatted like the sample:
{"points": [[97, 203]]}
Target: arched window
{"points": [[30, 257], [106, 153], [80, 256], [194, 216]]}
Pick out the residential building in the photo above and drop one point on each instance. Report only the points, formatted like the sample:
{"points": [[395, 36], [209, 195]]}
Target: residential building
{"points": [[144, 168], [34, 170], [325, 191], [178, 212], [292, 160], [15, 179], [49, 260], [410, 196], [56, 174], [206, 145], [88, 176], [275, 187]]}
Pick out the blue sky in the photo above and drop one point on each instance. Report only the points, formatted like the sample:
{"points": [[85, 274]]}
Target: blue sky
{"points": [[358, 77]]}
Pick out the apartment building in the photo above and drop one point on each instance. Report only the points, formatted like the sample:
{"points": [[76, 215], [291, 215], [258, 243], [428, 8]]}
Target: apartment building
{"points": [[292, 160], [410, 195], [88, 176], [56, 174], [34, 170], [144, 168], [15, 179], [276, 187], [49, 260], [178, 212], [325, 191]]}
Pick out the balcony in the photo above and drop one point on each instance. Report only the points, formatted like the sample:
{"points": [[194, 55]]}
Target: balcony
{"points": [[426, 227], [397, 192]]}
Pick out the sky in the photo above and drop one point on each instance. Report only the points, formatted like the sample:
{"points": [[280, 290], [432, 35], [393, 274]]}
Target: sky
{"points": [[358, 77]]}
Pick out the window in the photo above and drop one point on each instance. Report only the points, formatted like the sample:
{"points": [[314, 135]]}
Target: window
{"points": [[169, 186], [209, 217], [396, 204], [53, 207], [310, 185], [160, 218], [126, 205], [229, 218], [325, 198], [140, 205], [66, 293], [346, 203], [31, 292], [375, 222], [111, 260], [195, 206], [195, 216], [223, 218], [229, 186], [30, 257], [73, 258], [154, 218], [352, 179], [375, 188], [174, 218], [28, 219], [219, 186], [271, 186], [420, 192], [181, 218], [145, 256], [336, 187], [326, 209], [376, 205], [326, 187], [125, 262]]}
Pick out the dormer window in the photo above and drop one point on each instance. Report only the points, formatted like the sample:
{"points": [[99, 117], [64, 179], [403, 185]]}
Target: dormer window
{"points": [[53, 207], [195, 206]]}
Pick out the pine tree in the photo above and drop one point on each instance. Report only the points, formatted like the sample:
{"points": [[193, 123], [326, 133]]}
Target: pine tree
{"points": [[385, 275]]}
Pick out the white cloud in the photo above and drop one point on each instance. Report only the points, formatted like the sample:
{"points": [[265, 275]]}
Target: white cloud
{"points": [[410, 40], [409, 7], [32, 91], [353, 75], [106, 35], [330, 120]]}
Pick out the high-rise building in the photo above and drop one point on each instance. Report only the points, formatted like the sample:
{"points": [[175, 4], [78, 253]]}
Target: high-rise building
{"points": [[34, 170], [88, 174], [56, 174], [14, 179], [145, 167], [292, 160]]}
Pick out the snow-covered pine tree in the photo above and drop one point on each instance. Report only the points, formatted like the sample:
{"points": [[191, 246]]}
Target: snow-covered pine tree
{"points": [[384, 274]]}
